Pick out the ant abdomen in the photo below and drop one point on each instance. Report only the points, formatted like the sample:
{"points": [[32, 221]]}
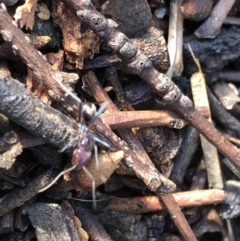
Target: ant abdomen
{"points": [[80, 157]]}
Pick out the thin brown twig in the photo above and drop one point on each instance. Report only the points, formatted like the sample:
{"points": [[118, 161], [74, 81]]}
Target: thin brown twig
{"points": [[139, 205], [212, 26], [129, 119]]}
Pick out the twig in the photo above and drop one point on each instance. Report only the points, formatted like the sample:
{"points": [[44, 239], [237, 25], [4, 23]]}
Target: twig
{"points": [[185, 154], [112, 76], [232, 21], [21, 106], [19, 196], [129, 119], [230, 76], [136, 160], [222, 115], [137, 63], [212, 26], [35, 61], [23, 137], [139, 205], [175, 39]]}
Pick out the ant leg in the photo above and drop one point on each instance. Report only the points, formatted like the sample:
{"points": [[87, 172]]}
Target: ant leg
{"points": [[69, 144], [57, 177], [96, 156], [89, 174], [96, 139]]}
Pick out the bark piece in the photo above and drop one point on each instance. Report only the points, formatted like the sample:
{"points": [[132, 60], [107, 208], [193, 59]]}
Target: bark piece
{"points": [[134, 17], [53, 222], [153, 44], [196, 10], [77, 45], [211, 224], [24, 15], [7, 223], [123, 226], [213, 54], [8, 158], [161, 143]]}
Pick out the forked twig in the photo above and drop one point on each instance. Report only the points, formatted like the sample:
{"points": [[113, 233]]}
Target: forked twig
{"points": [[100, 95], [138, 63]]}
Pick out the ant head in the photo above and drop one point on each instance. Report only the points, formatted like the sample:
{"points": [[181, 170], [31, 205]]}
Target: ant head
{"points": [[89, 111]]}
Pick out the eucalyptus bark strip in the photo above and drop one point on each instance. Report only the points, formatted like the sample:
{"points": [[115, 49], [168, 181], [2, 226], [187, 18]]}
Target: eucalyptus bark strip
{"points": [[138, 63]]}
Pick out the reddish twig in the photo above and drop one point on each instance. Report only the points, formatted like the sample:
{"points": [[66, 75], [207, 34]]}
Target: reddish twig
{"points": [[139, 205], [129, 119]]}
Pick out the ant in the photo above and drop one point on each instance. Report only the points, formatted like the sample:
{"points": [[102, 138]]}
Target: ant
{"points": [[86, 142]]}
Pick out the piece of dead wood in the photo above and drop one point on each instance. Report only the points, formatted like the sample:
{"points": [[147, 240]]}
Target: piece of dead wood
{"points": [[53, 222], [7, 159], [163, 86], [78, 45]]}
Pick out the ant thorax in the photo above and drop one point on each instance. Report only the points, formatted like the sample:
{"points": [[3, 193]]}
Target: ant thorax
{"points": [[84, 151]]}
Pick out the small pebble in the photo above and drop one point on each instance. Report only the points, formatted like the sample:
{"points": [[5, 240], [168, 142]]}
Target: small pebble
{"points": [[160, 12]]}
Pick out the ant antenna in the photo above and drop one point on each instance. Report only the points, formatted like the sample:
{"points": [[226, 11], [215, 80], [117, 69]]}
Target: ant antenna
{"points": [[57, 177]]}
